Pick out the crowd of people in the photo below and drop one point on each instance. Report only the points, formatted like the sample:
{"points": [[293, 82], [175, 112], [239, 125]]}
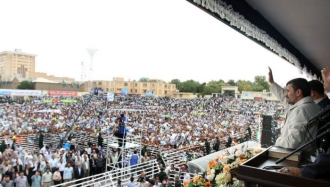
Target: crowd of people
{"points": [[163, 122]]}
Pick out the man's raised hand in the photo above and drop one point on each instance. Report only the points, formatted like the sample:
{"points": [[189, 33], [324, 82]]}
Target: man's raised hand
{"points": [[270, 76]]}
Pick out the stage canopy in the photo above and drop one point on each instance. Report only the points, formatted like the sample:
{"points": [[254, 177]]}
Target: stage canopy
{"points": [[296, 30]]}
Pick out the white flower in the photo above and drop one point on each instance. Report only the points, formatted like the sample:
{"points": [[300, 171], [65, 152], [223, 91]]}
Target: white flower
{"points": [[212, 171], [210, 177], [238, 153]]}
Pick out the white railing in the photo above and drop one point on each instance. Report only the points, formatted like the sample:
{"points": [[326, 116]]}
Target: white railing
{"points": [[111, 177]]}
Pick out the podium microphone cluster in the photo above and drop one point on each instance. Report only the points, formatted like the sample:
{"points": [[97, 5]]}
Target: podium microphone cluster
{"points": [[321, 116]]}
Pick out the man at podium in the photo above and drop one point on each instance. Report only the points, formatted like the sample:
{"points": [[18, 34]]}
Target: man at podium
{"points": [[300, 108], [320, 168]]}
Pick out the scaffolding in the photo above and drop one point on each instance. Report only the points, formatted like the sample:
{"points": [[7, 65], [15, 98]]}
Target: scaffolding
{"points": [[130, 144], [109, 178]]}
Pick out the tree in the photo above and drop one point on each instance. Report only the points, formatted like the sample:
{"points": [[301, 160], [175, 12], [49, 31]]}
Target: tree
{"points": [[26, 85], [260, 83], [220, 81], [189, 86], [177, 82], [231, 82], [201, 87], [244, 85], [143, 79], [212, 87]]}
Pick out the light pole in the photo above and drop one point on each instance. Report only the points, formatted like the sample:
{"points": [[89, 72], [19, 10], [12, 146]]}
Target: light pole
{"points": [[91, 52]]}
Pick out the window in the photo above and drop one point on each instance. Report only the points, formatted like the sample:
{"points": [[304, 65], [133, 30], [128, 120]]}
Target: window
{"points": [[135, 90], [269, 94], [135, 84], [131, 90], [107, 89], [100, 83], [165, 86], [125, 84], [180, 95], [144, 85], [153, 85], [118, 89], [144, 91], [165, 92]]}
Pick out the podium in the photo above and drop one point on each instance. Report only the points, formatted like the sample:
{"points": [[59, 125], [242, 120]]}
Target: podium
{"points": [[252, 172]]}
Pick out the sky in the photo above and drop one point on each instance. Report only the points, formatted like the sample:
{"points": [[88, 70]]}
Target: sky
{"points": [[150, 38]]}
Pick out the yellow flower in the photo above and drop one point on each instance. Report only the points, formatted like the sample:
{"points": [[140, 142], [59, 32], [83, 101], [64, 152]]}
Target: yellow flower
{"points": [[212, 164], [242, 161], [195, 179], [228, 177], [226, 168]]}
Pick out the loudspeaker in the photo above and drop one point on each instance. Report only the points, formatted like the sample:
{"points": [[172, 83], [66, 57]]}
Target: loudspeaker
{"points": [[267, 122], [266, 138]]}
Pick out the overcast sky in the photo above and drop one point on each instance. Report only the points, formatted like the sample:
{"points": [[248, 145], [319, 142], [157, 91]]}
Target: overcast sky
{"points": [[162, 39]]}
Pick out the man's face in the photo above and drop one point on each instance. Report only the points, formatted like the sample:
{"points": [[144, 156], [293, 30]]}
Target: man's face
{"points": [[291, 95]]}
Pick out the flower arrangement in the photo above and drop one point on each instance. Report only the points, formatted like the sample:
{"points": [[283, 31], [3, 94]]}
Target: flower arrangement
{"points": [[221, 172]]}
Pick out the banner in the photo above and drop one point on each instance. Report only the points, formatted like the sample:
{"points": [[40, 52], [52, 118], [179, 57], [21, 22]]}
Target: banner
{"points": [[62, 94], [110, 96], [60, 101], [21, 92], [124, 91], [96, 90], [150, 94]]}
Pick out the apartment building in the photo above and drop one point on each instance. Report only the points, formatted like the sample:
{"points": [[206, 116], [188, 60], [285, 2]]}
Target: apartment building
{"points": [[16, 63], [157, 87]]}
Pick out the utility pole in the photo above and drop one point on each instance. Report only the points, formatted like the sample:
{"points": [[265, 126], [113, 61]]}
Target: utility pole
{"points": [[91, 52]]}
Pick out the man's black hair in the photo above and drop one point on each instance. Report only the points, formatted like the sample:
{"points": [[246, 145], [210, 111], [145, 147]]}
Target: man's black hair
{"points": [[317, 86], [302, 84]]}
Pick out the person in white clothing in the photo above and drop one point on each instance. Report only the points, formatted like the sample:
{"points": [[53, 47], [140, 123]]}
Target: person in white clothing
{"points": [[61, 166], [67, 174]]}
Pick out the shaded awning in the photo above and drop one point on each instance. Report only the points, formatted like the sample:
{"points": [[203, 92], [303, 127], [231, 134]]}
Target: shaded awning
{"points": [[296, 30]]}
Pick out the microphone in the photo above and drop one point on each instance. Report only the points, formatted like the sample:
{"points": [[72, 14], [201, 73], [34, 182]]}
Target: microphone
{"points": [[320, 116]]}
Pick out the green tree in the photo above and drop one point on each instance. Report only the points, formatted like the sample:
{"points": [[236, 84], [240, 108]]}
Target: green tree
{"points": [[260, 83], [26, 85], [177, 82], [143, 79], [231, 82], [220, 81], [190, 86], [201, 87], [212, 87], [244, 85]]}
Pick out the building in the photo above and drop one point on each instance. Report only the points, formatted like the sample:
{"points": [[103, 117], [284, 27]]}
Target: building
{"points": [[35, 75], [250, 95], [157, 87], [16, 64], [184, 95]]}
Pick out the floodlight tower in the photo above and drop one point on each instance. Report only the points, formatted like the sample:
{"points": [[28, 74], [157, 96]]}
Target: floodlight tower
{"points": [[91, 52]]}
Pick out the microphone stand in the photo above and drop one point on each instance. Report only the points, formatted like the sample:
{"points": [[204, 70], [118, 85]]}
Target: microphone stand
{"points": [[305, 145]]}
